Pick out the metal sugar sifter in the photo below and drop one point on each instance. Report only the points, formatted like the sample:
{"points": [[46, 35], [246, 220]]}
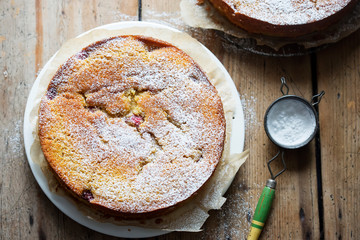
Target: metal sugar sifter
{"points": [[290, 122]]}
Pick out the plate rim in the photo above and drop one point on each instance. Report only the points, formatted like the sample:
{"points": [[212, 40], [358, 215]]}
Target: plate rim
{"points": [[63, 203]]}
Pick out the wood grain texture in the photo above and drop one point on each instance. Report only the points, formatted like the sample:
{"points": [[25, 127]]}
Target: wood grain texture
{"points": [[258, 81], [32, 31], [339, 76], [17, 47]]}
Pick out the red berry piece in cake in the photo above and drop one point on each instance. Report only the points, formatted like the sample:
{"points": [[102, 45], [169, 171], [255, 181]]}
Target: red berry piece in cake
{"points": [[134, 120]]}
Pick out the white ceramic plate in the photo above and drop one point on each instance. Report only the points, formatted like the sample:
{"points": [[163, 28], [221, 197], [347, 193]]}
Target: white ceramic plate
{"points": [[65, 205]]}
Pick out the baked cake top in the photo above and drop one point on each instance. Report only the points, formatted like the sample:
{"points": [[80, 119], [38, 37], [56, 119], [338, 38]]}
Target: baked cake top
{"points": [[284, 18], [131, 124], [287, 12]]}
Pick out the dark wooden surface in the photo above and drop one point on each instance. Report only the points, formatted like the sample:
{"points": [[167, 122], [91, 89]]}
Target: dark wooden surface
{"points": [[317, 197]]}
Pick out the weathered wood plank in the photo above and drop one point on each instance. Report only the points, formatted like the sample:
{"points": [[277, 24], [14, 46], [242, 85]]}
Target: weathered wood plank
{"points": [[33, 30], [339, 76], [64, 20], [295, 213], [30, 32], [17, 186]]}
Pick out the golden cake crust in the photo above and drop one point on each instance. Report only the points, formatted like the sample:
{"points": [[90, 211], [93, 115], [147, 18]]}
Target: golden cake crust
{"points": [[132, 126], [284, 18]]}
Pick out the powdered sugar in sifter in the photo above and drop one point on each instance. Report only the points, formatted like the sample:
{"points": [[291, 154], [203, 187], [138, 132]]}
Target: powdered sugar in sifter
{"points": [[290, 122]]}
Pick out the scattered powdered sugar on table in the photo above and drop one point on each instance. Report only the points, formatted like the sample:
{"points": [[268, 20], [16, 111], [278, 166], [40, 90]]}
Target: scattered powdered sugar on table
{"points": [[239, 213], [249, 103], [15, 138], [236, 214]]}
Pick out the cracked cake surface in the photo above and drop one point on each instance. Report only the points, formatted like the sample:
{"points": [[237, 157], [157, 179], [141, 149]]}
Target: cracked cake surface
{"points": [[132, 126]]}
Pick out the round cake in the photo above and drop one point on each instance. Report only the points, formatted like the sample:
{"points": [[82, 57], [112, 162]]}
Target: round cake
{"points": [[132, 126], [284, 18]]}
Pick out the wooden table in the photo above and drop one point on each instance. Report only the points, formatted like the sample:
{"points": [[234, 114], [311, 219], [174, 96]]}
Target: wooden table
{"points": [[317, 197]]}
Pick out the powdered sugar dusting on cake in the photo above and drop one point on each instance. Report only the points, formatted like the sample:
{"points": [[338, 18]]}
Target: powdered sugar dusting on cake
{"points": [[287, 12], [133, 123]]}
